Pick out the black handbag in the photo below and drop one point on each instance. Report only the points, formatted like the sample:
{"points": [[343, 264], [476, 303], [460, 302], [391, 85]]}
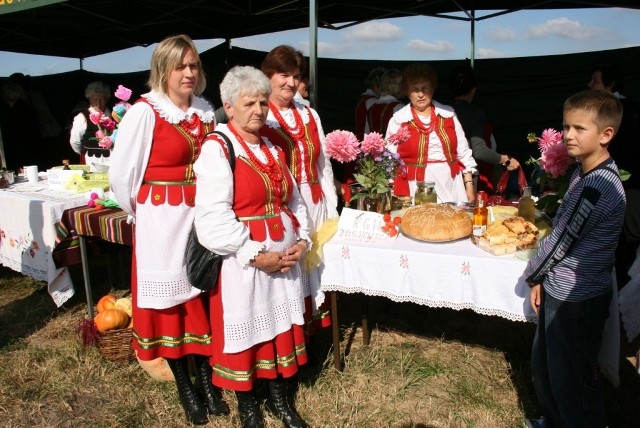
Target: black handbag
{"points": [[203, 265]]}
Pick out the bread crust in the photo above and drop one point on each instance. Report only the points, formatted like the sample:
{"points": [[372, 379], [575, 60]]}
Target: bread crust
{"points": [[436, 223]]}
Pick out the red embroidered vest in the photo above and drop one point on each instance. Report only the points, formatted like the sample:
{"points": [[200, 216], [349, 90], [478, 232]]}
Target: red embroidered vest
{"points": [[293, 157], [254, 201], [169, 176], [379, 115], [361, 115], [414, 153]]}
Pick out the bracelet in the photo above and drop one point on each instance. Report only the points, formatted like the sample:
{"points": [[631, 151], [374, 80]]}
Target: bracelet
{"points": [[468, 181]]}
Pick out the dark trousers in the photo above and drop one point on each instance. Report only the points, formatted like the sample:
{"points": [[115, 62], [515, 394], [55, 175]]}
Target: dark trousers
{"points": [[564, 361]]}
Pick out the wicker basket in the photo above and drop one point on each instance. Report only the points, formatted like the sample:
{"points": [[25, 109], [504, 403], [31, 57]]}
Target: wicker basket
{"points": [[115, 345]]}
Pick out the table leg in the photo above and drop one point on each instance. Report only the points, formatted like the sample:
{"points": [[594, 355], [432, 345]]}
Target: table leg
{"points": [[366, 331], [335, 330], [85, 274]]}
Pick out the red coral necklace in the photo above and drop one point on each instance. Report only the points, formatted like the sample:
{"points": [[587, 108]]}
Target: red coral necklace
{"points": [[297, 133], [271, 168], [425, 129], [193, 126]]}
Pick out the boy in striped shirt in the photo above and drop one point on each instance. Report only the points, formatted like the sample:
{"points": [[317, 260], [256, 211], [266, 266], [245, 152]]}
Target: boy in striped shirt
{"points": [[571, 274]]}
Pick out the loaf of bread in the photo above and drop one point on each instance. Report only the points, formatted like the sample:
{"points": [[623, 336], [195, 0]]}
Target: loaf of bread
{"points": [[436, 223]]}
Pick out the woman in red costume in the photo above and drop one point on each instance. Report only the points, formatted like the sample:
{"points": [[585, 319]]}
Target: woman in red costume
{"points": [[297, 130], [152, 177], [253, 215], [437, 149]]}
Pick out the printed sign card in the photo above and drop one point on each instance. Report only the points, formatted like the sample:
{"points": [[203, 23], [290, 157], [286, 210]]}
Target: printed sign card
{"points": [[361, 226]]}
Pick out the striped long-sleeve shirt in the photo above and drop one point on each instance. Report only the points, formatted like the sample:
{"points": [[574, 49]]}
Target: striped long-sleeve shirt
{"points": [[575, 261]]}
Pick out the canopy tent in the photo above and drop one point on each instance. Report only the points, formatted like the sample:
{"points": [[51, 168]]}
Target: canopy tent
{"points": [[85, 28]]}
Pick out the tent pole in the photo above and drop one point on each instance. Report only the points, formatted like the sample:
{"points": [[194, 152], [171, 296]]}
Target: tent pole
{"points": [[313, 53], [473, 38]]}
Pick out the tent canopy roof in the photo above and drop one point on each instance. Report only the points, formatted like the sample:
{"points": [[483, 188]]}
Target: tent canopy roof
{"points": [[85, 28]]}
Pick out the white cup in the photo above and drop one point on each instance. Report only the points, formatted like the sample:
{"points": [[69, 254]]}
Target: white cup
{"points": [[31, 172]]}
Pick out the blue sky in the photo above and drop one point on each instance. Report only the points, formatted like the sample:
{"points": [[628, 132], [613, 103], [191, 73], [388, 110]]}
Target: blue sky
{"points": [[524, 33]]}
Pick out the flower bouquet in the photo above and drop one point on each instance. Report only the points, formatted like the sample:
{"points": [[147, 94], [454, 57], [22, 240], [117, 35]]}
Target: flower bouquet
{"points": [[107, 126], [553, 169], [376, 165]]}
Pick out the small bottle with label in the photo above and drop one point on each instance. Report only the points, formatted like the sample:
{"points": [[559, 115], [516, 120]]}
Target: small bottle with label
{"points": [[480, 215], [526, 206]]}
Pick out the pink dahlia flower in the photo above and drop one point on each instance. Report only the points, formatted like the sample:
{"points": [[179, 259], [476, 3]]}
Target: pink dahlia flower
{"points": [[400, 137], [342, 146], [556, 160], [372, 144], [549, 138]]}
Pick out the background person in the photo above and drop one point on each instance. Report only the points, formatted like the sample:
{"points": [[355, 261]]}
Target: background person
{"points": [[380, 110], [21, 138], [83, 130], [463, 85], [437, 149], [152, 177], [372, 83], [254, 216], [297, 130], [623, 144]]}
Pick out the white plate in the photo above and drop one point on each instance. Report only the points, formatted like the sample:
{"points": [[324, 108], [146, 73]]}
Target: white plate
{"points": [[29, 188]]}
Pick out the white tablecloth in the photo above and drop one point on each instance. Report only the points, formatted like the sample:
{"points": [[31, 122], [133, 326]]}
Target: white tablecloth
{"points": [[28, 216], [455, 275]]}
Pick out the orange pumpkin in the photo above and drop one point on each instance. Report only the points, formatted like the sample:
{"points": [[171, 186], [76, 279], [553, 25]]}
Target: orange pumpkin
{"points": [[110, 319], [106, 302]]}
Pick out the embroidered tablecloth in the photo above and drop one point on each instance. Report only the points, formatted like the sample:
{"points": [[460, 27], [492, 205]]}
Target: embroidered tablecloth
{"points": [[455, 275], [28, 217]]}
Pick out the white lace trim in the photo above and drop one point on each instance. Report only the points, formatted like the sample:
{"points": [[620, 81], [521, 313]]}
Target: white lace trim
{"points": [[248, 252], [172, 114], [428, 302]]}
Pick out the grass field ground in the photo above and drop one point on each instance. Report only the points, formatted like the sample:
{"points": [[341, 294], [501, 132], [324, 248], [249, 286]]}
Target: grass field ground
{"points": [[423, 368]]}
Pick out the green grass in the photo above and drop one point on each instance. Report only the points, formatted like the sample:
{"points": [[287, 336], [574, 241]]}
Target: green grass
{"points": [[423, 368]]}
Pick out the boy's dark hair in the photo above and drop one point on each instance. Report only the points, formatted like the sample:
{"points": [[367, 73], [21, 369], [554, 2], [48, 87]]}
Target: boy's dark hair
{"points": [[607, 108], [462, 79]]}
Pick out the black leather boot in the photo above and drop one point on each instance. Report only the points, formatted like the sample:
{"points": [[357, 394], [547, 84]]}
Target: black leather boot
{"points": [[249, 410], [191, 403], [210, 394], [278, 404]]}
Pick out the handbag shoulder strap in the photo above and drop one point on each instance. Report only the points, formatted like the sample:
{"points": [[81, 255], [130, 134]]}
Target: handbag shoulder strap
{"points": [[230, 149]]}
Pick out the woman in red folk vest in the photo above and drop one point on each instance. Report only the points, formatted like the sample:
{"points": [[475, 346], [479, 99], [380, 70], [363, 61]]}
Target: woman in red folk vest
{"points": [[152, 177], [297, 130], [437, 149], [380, 111], [366, 98], [252, 214]]}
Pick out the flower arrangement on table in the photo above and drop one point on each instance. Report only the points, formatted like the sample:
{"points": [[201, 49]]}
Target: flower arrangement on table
{"points": [[553, 169], [108, 126], [376, 165]]}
